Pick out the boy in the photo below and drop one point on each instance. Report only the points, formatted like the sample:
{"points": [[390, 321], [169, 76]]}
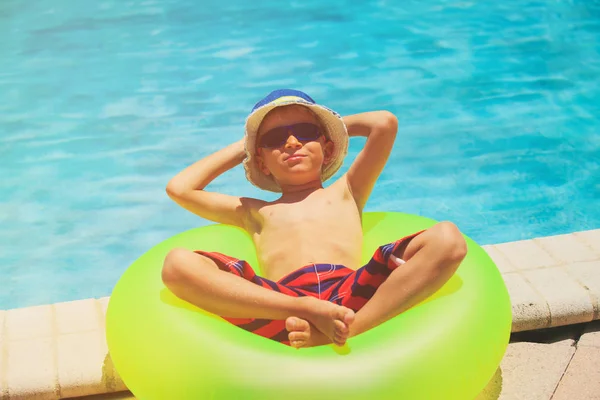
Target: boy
{"points": [[309, 240]]}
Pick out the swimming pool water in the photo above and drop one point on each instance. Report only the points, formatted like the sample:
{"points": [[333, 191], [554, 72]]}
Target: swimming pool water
{"points": [[101, 103]]}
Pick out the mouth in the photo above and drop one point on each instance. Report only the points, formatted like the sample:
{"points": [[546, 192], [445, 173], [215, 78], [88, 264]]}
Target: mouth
{"points": [[294, 157]]}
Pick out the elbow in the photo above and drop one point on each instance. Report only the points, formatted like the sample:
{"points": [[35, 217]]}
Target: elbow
{"points": [[388, 122], [174, 190]]}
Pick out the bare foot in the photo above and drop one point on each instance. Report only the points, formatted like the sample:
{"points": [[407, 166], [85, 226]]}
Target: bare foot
{"points": [[330, 319], [304, 334]]}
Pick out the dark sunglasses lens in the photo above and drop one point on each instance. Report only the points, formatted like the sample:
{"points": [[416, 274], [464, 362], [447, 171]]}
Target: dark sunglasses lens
{"points": [[306, 131], [274, 138], [278, 136]]}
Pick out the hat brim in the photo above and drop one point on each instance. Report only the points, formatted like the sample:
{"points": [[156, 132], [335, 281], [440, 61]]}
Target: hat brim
{"points": [[332, 123]]}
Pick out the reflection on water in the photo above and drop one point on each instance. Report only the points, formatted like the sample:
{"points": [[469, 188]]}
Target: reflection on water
{"points": [[101, 103]]}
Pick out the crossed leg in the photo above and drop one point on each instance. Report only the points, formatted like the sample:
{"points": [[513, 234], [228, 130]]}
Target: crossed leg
{"points": [[431, 259], [198, 280]]}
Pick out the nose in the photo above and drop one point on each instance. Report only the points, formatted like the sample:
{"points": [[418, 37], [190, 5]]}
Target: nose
{"points": [[292, 142]]}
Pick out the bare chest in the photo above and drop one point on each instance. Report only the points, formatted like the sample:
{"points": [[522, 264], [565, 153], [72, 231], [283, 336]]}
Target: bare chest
{"points": [[319, 214], [320, 228]]}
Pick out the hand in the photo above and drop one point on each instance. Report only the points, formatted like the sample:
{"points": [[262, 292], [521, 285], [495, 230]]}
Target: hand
{"points": [[240, 149]]}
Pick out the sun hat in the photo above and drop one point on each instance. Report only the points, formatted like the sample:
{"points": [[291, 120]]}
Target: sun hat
{"points": [[334, 130]]}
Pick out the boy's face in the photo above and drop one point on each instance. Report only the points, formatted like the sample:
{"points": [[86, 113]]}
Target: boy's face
{"points": [[295, 161]]}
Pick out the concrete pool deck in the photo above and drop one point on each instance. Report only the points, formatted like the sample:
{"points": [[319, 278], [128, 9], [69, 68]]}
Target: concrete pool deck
{"points": [[59, 350], [561, 367]]}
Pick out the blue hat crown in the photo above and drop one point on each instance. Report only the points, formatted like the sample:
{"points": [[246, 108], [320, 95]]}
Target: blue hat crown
{"points": [[276, 94]]}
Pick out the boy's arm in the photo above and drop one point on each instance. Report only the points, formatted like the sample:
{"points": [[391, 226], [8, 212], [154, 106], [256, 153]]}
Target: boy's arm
{"points": [[187, 187], [380, 128]]}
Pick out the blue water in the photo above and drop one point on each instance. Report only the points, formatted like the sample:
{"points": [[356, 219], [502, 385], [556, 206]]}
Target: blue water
{"points": [[101, 103]]}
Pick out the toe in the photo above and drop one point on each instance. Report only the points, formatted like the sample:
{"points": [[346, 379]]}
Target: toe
{"points": [[296, 324], [345, 314], [339, 341], [340, 327], [291, 323], [298, 336], [341, 336], [298, 339], [348, 317]]}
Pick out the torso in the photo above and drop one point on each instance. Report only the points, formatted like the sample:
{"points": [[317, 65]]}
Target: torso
{"points": [[323, 227]]}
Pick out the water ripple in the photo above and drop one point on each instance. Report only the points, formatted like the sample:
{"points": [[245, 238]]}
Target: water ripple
{"points": [[101, 103]]}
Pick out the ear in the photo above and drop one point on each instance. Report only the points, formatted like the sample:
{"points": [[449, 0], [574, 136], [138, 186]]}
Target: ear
{"points": [[328, 148], [260, 161]]}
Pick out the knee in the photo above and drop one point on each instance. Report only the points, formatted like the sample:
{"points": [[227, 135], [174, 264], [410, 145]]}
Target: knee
{"points": [[172, 271], [451, 243]]}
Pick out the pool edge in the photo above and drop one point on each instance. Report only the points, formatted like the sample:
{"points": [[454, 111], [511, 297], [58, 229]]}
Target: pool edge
{"points": [[552, 281]]}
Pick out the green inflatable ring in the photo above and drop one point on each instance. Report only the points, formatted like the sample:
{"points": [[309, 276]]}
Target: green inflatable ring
{"points": [[448, 347]]}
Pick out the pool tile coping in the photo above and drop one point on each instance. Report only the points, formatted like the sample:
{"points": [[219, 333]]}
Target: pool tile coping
{"points": [[59, 350]]}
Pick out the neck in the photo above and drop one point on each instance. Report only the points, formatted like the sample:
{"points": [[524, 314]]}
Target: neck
{"points": [[304, 189]]}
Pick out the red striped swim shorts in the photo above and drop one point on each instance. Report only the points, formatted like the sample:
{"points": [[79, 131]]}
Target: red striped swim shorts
{"points": [[332, 282]]}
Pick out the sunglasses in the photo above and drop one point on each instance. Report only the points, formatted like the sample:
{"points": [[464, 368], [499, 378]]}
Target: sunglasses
{"points": [[303, 132]]}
